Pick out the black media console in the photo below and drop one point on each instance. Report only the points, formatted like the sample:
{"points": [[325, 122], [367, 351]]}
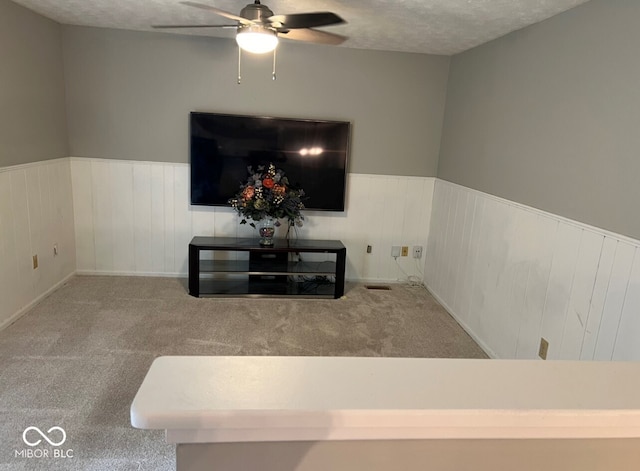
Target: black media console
{"points": [[277, 270]]}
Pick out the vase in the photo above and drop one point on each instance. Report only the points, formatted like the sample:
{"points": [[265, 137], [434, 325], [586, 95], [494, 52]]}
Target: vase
{"points": [[266, 229]]}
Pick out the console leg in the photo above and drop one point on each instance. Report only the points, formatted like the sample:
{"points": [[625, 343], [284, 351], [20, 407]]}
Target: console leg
{"points": [[341, 262], [194, 271]]}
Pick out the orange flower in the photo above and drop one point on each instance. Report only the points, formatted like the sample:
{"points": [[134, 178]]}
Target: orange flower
{"points": [[248, 193], [268, 183], [279, 189]]}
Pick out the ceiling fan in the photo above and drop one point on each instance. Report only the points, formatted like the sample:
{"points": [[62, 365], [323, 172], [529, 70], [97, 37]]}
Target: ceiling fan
{"points": [[258, 28]]}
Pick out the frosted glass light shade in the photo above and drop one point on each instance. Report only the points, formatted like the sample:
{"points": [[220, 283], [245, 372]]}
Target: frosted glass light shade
{"points": [[257, 40]]}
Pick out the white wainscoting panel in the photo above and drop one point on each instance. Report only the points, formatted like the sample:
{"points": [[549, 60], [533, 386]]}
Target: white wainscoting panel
{"points": [[135, 218], [511, 274], [36, 213]]}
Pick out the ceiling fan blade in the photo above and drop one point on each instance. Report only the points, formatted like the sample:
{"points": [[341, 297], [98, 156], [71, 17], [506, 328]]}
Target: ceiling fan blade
{"points": [[192, 26], [217, 11], [306, 20], [314, 36]]}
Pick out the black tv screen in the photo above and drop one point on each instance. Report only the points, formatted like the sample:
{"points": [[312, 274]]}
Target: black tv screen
{"points": [[313, 154]]}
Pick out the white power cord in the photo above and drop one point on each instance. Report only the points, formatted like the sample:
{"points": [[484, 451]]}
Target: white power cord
{"points": [[412, 280]]}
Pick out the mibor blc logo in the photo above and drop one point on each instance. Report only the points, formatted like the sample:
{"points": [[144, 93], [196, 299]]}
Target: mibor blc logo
{"points": [[37, 440]]}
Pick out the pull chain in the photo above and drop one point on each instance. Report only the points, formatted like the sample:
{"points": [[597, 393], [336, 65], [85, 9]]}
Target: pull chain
{"points": [[239, 61], [273, 74]]}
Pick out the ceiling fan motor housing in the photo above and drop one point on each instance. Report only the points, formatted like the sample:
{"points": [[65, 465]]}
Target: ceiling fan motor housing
{"points": [[256, 12]]}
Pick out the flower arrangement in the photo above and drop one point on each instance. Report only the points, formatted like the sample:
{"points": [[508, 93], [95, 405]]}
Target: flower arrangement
{"points": [[267, 194]]}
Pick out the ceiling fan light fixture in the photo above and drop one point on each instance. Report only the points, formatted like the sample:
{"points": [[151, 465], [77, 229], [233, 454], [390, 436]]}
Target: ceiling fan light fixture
{"points": [[257, 39]]}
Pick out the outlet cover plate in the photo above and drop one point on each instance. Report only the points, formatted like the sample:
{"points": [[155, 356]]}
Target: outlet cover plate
{"points": [[544, 348]]}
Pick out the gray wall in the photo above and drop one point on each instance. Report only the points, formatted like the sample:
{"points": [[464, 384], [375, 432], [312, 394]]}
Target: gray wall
{"points": [[32, 109], [549, 116], [129, 95]]}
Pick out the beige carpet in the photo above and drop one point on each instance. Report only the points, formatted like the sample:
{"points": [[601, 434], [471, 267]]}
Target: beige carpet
{"points": [[77, 359]]}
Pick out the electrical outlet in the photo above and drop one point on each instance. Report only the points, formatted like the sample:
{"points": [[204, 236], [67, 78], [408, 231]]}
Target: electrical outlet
{"points": [[395, 251], [35, 262], [405, 251], [55, 249], [417, 251], [369, 249], [544, 348]]}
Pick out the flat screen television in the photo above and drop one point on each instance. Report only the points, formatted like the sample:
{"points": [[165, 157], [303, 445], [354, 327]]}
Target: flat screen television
{"points": [[312, 153]]}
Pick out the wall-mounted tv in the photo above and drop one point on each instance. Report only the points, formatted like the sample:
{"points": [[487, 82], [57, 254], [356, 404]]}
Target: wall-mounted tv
{"points": [[312, 153]]}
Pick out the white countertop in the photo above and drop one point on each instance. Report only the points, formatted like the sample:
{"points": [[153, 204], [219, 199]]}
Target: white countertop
{"points": [[228, 399]]}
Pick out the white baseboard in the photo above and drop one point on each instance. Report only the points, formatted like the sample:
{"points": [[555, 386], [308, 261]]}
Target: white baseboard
{"points": [[377, 281], [463, 324], [131, 273], [17, 315], [186, 275]]}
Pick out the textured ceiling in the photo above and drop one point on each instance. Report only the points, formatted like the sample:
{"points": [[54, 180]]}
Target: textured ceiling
{"points": [[424, 26]]}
